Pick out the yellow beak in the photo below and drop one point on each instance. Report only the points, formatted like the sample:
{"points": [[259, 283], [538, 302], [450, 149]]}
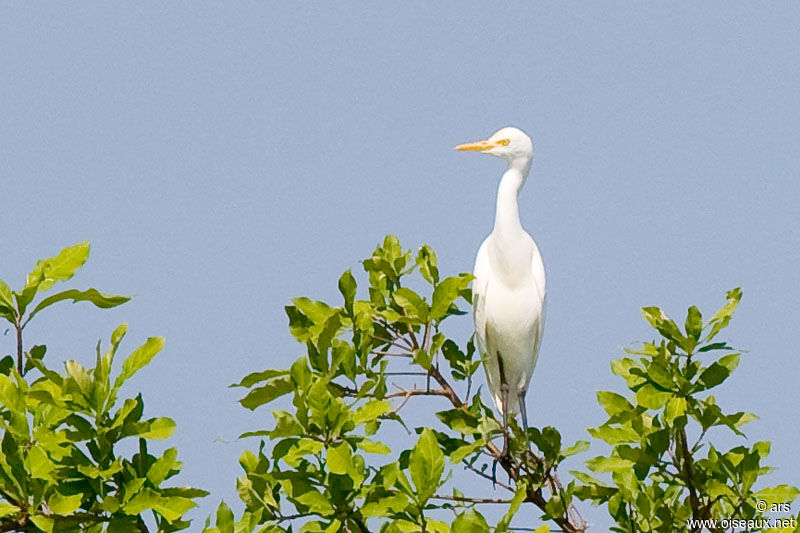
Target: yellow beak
{"points": [[480, 145]]}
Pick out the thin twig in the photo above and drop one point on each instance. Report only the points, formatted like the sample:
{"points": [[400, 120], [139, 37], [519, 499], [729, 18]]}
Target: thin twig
{"points": [[19, 347], [418, 392], [487, 476], [390, 354], [466, 499]]}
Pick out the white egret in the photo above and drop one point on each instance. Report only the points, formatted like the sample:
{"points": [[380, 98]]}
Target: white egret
{"points": [[509, 285]]}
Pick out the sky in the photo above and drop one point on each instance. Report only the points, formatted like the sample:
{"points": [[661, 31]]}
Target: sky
{"points": [[225, 158]]}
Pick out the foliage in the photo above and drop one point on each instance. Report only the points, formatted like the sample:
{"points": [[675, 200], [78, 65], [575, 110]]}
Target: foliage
{"points": [[323, 466], [663, 469], [59, 469], [327, 464]]}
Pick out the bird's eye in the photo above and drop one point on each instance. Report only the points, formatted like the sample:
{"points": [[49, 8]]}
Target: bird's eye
{"points": [[504, 142]]}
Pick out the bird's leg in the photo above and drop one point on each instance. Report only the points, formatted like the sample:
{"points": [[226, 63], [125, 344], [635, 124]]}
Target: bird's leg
{"points": [[524, 414], [506, 453], [503, 400]]}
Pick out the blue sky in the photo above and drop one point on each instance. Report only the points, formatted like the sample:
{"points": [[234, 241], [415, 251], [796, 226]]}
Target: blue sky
{"points": [[224, 158]]}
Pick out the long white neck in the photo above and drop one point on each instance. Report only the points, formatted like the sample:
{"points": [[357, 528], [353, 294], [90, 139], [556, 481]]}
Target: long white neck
{"points": [[507, 225], [511, 250]]}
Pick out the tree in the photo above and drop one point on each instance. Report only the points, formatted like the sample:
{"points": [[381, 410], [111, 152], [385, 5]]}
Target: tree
{"points": [[59, 470], [661, 479], [324, 466]]}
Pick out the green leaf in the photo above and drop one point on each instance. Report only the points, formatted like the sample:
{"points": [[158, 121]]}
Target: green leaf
{"points": [[426, 261], [578, 447], [225, 520], [315, 501], [730, 361], [422, 358], [268, 392], [319, 361], [694, 323], [103, 301], [102, 370], [459, 420], [7, 307], [340, 459], [347, 286], [371, 446], [426, 464], [676, 407], [780, 494], [462, 452], [64, 505], [548, 440], [659, 320], [386, 505], [38, 463], [519, 496], [446, 293], [257, 377], [171, 508], [718, 371], [371, 410], [318, 312], [296, 450], [613, 403], [470, 521], [131, 411], [6, 364], [652, 398], [713, 376], [76, 371], [155, 428], [609, 464], [624, 368], [413, 306], [299, 324], [286, 426], [744, 418], [44, 523], [324, 407], [722, 317], [615, 435], [6, 509], [140, 357], [118, 334], [59, 268], [301, 375], [10, 395], [659, 375], [161, 468]]}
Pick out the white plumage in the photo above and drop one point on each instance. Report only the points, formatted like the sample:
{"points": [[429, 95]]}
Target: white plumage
{"points": [[509, 285]]}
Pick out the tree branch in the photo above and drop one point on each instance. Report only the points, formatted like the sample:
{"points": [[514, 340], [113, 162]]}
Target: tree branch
{"points": [[570, 522], [686, 463], [470, 500]]}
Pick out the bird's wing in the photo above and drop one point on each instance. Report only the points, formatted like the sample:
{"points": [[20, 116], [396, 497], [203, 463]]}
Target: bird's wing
{"points": [[479, 284], [537, 267], [482, 273]]}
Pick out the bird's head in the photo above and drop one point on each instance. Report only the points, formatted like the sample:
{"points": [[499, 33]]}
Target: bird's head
{"points": [[509, 143]]}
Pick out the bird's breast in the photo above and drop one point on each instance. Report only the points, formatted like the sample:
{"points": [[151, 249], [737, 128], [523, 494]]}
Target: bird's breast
{"points": [[513, 312], [513, 320]]}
